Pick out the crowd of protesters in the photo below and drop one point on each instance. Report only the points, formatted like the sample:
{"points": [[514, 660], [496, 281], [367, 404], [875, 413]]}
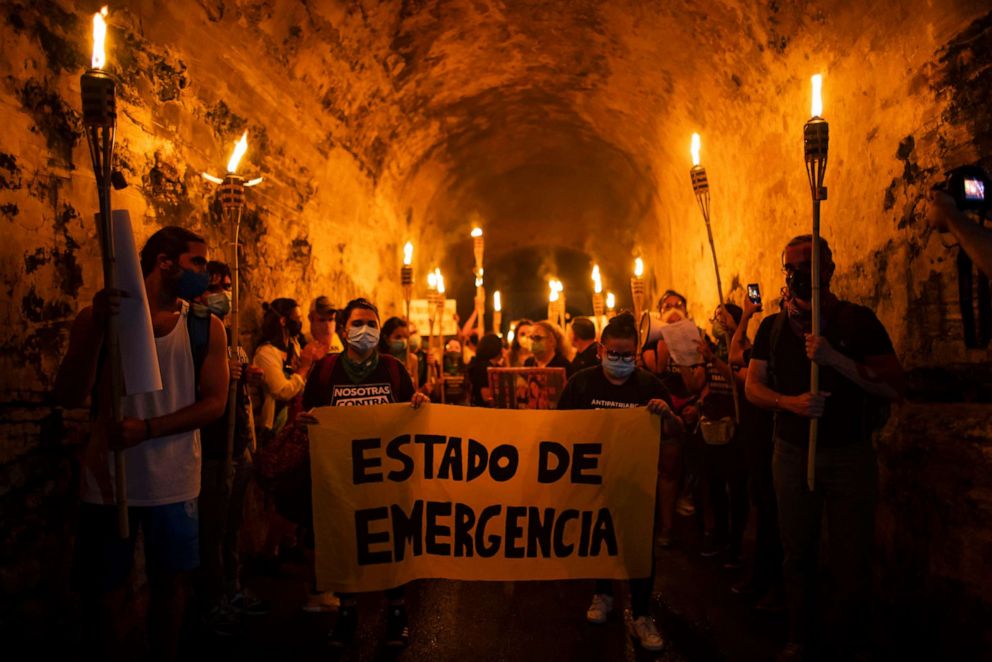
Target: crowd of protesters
{"points": [[733, 449]]}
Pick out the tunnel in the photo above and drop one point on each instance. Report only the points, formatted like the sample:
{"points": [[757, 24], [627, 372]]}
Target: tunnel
{"points": [[561, 129]]}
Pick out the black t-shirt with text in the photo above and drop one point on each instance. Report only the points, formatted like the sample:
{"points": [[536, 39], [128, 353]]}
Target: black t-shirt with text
{"points": [[855, 332], [590, 389], [585, 359], [378, 387]]}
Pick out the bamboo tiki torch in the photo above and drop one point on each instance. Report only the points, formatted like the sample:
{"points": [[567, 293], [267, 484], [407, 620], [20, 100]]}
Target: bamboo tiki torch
{"points": [[98, 90], [611, 305], [701, 187], [497, 314], [816, 138], [478, 248], [406, 276], [637, 294], [597, 298], [232, 202]]}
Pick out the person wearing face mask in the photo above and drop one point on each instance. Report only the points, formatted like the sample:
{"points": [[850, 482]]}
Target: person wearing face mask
{"points": [[617, 383], [860, 375], [488, 355], [520, 347], [323, 328], [684, 383], [363, 376], [284, 365], [160, 438], [547, 346], [394, 339], [222, 598]]}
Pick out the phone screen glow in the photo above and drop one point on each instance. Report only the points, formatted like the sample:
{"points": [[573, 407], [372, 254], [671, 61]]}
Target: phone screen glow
{"points": [[974, 189]]}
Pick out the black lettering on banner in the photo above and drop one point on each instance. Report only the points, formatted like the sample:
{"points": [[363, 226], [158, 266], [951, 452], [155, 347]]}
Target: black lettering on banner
{"points": [[407, 529], [464, 521], [434, 530], [584, 532], [483, 550], [514, 532], [478, 459], [539, 532], [365, 538], [451, 463], [546, 449], [429, 441], [585, 458], [603, 532], [504, 473], [359, 463], [395, 452], [561, 549]]}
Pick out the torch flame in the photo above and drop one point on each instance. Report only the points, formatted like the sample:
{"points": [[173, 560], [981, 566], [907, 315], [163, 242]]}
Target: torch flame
{"points": [[239, 150], [99, 59], [816, 108], [497, 302], [440, 283], [697, 144], [638, 267], [408, 254], [478, 281], [432, 280], [595, 272], [611, 301], [476, 232], [597, 280]]}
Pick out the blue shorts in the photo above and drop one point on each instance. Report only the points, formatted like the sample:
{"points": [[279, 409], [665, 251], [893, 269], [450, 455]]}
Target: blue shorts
{"points": [[103, 559]]}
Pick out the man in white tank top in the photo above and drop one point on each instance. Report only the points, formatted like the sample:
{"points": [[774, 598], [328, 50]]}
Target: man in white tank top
{"points": [[160, 435]]}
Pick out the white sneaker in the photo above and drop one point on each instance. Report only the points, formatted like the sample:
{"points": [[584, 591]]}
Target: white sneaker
{"points": [[647, 635], [321, 602], [600, 608]]}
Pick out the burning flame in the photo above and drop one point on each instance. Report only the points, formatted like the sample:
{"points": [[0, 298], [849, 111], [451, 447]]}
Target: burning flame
{"points": [[816, 107], [611, 301], [597, 280], [497, 302], [476, 232], [239, 150], [408, 254], [595, 272], [432, 280], [440, 282], [697, 144], [478, 281], [638, 267], [99, 59]]}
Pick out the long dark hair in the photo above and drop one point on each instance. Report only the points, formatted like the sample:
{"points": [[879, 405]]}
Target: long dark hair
{"points": [[388, 328], [272, 326], [621, 327], [515, 347]]}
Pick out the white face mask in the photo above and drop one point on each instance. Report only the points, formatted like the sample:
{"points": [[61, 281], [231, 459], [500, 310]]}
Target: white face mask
{"points": [[363, 338]]}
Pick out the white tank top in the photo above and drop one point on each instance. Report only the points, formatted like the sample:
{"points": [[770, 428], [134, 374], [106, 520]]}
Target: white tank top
{"points": [[163, 470]]}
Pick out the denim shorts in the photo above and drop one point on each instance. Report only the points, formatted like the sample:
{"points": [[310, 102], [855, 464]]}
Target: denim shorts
{"points": [[103, 559]]}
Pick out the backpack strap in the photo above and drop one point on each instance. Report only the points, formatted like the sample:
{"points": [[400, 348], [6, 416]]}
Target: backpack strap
{"points": [[199, 339]]}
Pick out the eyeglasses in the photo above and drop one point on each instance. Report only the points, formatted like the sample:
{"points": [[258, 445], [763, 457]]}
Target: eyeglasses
{"points": [[626, 357]]}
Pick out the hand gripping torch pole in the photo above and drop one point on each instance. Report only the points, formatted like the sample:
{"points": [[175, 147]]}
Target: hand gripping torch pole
{"points": [[816, 138], [99, 96], [701, 187]]}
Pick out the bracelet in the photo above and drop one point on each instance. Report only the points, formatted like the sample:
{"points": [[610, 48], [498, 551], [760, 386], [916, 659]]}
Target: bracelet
{"points": [[148, 428]]}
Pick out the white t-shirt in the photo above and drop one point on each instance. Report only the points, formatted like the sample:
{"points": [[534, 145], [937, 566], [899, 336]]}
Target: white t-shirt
{"points": [[163, 470]]}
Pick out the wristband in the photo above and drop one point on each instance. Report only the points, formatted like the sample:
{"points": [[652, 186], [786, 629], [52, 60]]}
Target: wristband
{"points": [[148, 428]]}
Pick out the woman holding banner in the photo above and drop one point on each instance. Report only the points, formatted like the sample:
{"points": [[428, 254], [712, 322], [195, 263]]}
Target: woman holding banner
{"points": [[359, 376], [617, 383]]}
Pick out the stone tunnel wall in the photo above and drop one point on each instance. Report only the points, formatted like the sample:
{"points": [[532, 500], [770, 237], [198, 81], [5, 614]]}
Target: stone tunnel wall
{"points": [[374, 123]]}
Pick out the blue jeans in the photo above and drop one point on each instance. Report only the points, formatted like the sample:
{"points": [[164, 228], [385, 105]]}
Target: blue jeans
{"points": [[846, 480]]}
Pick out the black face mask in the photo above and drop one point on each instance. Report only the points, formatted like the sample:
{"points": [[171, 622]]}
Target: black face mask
{"points": [[294, 327], [800, 284]]}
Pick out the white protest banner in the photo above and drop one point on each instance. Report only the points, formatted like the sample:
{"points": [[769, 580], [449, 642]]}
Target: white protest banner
{"points": [[481, 494]]}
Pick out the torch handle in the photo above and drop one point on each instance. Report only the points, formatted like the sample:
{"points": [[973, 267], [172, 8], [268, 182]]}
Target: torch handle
{"points": [[726, 333], [234, 220], [814, 370]]}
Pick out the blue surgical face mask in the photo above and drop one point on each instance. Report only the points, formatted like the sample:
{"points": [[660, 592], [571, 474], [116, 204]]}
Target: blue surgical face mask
{"points": [[397, 347], [363, 338], [192, 284], [618, 368], [219, 303]]}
